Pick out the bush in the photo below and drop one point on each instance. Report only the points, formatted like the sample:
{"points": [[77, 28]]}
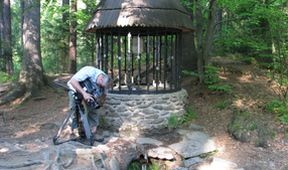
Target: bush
{"points": [[280, 108], [211, 79], [189, 116], [222, 104], [174, 121], [4, 78]]}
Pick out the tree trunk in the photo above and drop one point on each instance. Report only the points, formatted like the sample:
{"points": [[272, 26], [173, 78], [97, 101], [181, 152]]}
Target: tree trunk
{"points": [[6, 45], [199, 42], [73, 38], [189, 57], [64, 58], [22, 22], [31, 75], [2, 61], [210, 31]]}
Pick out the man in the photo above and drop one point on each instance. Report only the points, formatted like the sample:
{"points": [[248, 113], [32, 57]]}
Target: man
{"points": [[100, 81]]}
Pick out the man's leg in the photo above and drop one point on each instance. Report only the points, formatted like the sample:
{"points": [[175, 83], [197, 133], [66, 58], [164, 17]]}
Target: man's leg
{"points": [[93, 118], [72, 108]]}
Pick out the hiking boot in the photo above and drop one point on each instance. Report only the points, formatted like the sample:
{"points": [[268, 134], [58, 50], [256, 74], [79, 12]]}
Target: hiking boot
{"points": [[98, 138]]}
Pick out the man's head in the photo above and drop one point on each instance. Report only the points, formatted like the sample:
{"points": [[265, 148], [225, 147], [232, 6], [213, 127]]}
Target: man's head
{"points": [[103, 81]]}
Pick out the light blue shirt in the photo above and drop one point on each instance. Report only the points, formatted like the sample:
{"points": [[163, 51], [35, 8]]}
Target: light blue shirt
{"points": [[86, 72]]}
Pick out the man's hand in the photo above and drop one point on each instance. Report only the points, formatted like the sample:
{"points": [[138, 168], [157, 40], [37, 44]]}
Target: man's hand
{"points": [[87, 97]]}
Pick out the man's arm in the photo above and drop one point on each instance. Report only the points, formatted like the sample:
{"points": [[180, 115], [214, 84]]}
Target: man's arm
{"points": [[76, 85]]}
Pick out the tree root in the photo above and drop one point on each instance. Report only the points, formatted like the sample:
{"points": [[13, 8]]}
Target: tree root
{"points": [[57, 162], [22, 165], [14, 92]]}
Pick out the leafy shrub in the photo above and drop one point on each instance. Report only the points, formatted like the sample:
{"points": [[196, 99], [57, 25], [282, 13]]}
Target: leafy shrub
{"points": [[189, 116], [211, 75], [222, 104], [220, 88], [280, 108], [4, 78], [136, 165], [189, 73], [213, 82], [211, 79], [174, 121]]}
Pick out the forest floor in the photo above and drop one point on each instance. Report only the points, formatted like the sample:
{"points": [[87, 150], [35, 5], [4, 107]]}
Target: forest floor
{"points": [[38, 118]]}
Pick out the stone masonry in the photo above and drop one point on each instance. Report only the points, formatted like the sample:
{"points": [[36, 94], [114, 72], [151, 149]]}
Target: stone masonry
{"points": [[142, 112]]}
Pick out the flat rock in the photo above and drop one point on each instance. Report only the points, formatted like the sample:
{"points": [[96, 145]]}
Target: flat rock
{"points": [[192, 161], [150, 141], [161, 153], [193, 144]]}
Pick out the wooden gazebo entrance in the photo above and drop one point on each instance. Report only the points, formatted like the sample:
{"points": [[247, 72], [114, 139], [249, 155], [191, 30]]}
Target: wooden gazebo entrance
{"points": [[139, 43]]}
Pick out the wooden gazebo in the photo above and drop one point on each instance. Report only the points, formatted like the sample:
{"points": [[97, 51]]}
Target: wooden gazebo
{"points": [[139, 43]]}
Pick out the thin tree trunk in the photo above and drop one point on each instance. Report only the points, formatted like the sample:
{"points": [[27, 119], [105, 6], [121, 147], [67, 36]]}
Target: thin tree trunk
{"points": [[31, 75], [2, 60], [73, 38], [210, 31], [7, 47], [93, 54], [64, 58], [199, 42], [22, 6]]}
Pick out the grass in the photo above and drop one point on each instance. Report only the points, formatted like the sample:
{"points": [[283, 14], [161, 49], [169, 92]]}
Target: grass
{"points": [[175, 121], [222, 104]]}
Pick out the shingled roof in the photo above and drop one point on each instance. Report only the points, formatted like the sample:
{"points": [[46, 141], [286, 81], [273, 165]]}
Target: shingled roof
{"points": [[140, 13]]}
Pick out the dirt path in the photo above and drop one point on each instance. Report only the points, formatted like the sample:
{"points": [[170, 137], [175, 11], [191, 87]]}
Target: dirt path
{"points": [[39, 118]]}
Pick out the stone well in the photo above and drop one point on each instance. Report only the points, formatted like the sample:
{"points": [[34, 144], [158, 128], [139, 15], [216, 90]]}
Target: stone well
{"points": [[143, 112]]}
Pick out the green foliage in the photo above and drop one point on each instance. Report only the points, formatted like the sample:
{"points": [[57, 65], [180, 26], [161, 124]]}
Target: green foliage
{"points": [[212, 80], [154, 166], [189, 116], [136, 165], [211, 75], [189, 73], [246, 127], [280, 108], [221, 88], [222, 104], [244, 122], [252, 28], [4, 78], [175, 121], [55, 35], [16, 36]]}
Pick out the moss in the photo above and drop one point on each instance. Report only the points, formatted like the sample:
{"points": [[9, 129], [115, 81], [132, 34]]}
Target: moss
{"points": [[246, 128]]}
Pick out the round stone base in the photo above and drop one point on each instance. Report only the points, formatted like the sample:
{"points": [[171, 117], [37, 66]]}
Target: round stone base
{"points": [[142, 112]]}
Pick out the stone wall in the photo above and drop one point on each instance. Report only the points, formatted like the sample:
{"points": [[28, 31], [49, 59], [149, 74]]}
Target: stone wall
{"points": [[142, 112]]}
